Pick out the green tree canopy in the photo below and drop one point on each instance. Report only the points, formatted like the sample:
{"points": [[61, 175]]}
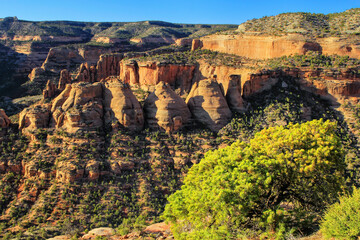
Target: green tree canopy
{"points": [[283, 178]]}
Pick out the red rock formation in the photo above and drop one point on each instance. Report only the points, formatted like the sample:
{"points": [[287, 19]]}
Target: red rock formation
{"points": [[83, 108], [86, 73], [108, 65], [164, 109], [184, 42], [196, 44], [259, 47], [259, 82], [233, 94], [4, 119], [208, 105], [121, 106], [34, 117], [68, 172], [50, 90], [339, 46], [129, 72], [64, 79], [36, 74], [151, 73], [92, 170]]}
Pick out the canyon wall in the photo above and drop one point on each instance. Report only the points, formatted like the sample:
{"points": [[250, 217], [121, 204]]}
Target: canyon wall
{"points": [[266, 47]]}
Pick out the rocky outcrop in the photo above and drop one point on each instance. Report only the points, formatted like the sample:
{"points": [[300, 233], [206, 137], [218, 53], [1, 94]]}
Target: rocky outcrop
{"points": [[86, 73], [151, 73], [165, 110], [259, 47], [208, 105], [34, 118], [82, 109], [129, 72], [184, 42], [59, 57], [121, 106], [64, 79], [333, 85], [87, 106], [4, 119], [340, 46], [233, 94], [68, 172], [50, 90], [265, 47], [196, 44], [260, 81], [108, 65], [99, 232]]}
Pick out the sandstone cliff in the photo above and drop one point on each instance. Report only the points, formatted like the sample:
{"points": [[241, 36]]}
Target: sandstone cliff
{"points": [[266, 47], [259, 47]]}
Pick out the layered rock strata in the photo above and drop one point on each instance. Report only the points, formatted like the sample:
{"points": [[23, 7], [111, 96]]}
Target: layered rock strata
{"points": [[266, 47]]}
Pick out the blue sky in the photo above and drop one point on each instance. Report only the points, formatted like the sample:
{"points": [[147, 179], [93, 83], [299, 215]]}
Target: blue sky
{"points": [[183, 11]]}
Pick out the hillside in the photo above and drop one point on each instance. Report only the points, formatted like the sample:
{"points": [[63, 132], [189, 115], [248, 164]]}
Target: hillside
{"points": [[313, 25], [122, 111]]}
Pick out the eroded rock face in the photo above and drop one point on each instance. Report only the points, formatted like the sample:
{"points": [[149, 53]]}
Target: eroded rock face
{"points": [[208, 105], [50, 90], [233, 94], [69, 172], [34, 117], [164, 109], [151, 73], [129, 72], [64, 79], [259, 47], [121, 106], [108, 65], [86, 73], [81, 107], [4, 119]]}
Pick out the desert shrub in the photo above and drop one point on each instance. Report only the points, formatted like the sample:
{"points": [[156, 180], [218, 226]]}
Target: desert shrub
{"points": [[278, 182], [342, 219]]}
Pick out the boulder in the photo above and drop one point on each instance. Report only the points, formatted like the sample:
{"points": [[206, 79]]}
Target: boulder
{"points": [[208, 105], [165, 110], [121, 106]]}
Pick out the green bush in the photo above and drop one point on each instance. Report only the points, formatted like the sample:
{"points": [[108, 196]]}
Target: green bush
{"points": [[342, 219], [278, 182]]}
